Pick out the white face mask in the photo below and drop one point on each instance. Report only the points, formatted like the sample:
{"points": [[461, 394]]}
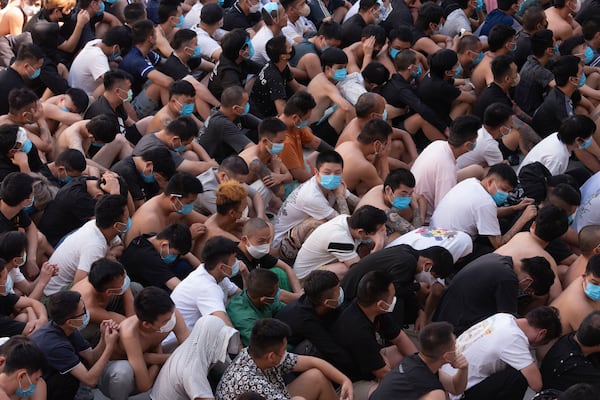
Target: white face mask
{"points": [[283, 358], [392, 306], [254, 8], [168, 327], [8, 285], [425, 277], [259, 251]]}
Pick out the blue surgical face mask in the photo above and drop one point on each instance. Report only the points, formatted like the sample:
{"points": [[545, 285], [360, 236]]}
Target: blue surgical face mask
{"points": [[418, 72], [588, 55], [221, 2], [331, 182], [556, 50], [458, 71], [65, 109], [384, 115], [148, 178], [127, 227], [499, 197], [187, 109], [27, 146], [85, 320], [276, 148], [303, 124], [394, 53], [582, 80], [101, 10], [196, 53], [65, 180], [587, 143], [340, 74], [235, 268], [570, 219], [479, 5], [30, 205], [35, 74], [479, 58], [592, 291], [22, 393], [185, 208], [114, 56], [180, 148], [246, 109], [180, 23], [250, 48], [168, 258], [401, 202]]}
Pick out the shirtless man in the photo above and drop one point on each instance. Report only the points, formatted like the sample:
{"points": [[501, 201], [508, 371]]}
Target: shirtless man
{"points": [[181, 102], [106, 294], [561, 21], [138, 355], [176, 204], [360, 174], [170, 18], [372, 106], [550, 223], [231, 215], [398, 39], [332, 111], [97, 140], [360, 54], [267, 172], [589, 244], [404, 208], [308, 65], [501, 40], [580, 298]]}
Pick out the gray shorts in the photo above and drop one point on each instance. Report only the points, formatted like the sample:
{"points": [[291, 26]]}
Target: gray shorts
{"points": [[144, 105]]}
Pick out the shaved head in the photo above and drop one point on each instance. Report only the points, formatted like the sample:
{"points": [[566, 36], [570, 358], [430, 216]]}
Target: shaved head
{"points": [[589, 239]]}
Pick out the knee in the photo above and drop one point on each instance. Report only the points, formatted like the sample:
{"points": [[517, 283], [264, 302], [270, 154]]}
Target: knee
{"points": [[316, 376], [121, 373]]}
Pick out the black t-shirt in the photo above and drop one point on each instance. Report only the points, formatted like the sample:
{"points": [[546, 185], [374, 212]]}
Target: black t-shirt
{"points": [[45, 34], [400, 15], [9, 80], [7, 304], [399, 261], [227, 73], [174, 68], [7, 166], [565, 365], [270, 85], [523, 49], [364, 340], [486, 286], [554, 110], [102, 107], [221, 137], [411, 380], [438, 94], [19, 221], [489, 95], [305, 324], [87, 33], [8, 326], [62, 355], [72, 207], [139, 189], [234, 18], [352, 30], [145, 265], [267, 261]]}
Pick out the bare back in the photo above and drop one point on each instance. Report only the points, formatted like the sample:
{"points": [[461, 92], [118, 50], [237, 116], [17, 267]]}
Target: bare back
{"points": [[574, 306]]}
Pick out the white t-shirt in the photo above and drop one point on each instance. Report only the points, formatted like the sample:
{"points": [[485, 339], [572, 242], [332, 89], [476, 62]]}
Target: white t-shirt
{"points": [[486, 151], [588, 212], [459, 244], [352, 11], [199, 294], [330, 242], [259, 42], [192, 18], [490, 346], [352, 87], [435, 173], [468, 208], [78, 251], [207, 44], [297, 30], [306, 201], [551, 152], [90, 64]]}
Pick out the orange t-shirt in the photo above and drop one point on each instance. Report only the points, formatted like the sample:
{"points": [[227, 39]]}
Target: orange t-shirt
{"points": [[292, 154]]}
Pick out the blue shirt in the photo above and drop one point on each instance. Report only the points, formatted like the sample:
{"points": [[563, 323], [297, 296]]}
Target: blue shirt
{"points": [[139, 66], [497, 17]]}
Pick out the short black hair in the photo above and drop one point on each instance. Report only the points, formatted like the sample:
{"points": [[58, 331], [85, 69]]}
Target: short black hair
{"points": [[109, 209], [20, 98], [366, 104], [270, 127], [504, 5], [103, 127], [442, 61], [368, 218], [141, 31], [443, 262], [501, 66], [497, 114], [63, 305], [588, 333], [118, 35], [499, 35], [551, 222], [20, 352], [166, 10], [151, 303], [463, 129], [103, 271], [276, 47], [182, 126], [79, 98], [318, 285], [299, 104], [435, 339], [541, 41], [568, 45], [29, 52], [400, 176], [217, 250], [133, 12], [541, 273], [374, 129], [373, 286], [329, 156], [16, 187], [72, 160], [366, 4], [564, 68], [12, 244], [401, 32], [268, 334], [333, 56], [567, 193], [234, 164], [182, 87], [593, 265], [179, 237], [162, 162], [590, 27], [577, 126], [504, 172], [113, 78], [375, 31], [181, 37], [429, 13], [233, 42], [184, 184], [467, 42], [532, 17], [581, 391], [545, 317], [211, 13], [376, 73], [330, 30], [261, 282]]}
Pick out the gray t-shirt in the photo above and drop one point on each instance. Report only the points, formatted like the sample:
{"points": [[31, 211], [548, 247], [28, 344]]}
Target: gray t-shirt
{"points": [[150, 141]]}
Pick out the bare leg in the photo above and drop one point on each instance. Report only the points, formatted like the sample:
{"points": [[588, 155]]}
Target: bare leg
{"points": [[312, 385], [117, 149], [460, 109], [339, 268], [142, 124], [416, 122], [527, 136]]}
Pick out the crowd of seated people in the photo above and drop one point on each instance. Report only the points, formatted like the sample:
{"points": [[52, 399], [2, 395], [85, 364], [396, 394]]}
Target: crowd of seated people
{"points": [[273, 199]]}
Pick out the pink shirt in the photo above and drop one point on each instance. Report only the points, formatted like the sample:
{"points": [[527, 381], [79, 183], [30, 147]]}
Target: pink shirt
{"points": [[435, 173]]}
